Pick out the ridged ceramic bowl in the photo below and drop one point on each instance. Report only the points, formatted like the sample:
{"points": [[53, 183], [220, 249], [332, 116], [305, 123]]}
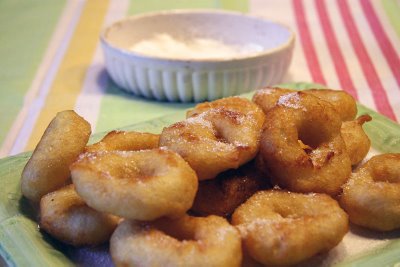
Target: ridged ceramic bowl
{"points": [[188, 78]]}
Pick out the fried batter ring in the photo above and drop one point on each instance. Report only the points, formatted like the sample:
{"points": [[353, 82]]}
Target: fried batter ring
{"points": [[125, 141], [187, 241], [371, 197], [356, 140], [341, 101], [140, 185], [284, 228], [234, 103], [222, 195], [64, 215], [48, 168], [322, 165], [217, 136]]}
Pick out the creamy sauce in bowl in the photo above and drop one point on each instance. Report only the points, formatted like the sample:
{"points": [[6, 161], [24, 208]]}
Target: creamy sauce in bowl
{"points": [[166, 46]]}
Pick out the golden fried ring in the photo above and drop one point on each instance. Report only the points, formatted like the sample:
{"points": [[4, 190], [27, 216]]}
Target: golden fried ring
{"points": [[125, 141], [187, 241], [284, 228], [216, 139], [48, 168], [246, 137], [194, 139], [65, 215], [356, 140], [341, 101], [234, 103], [371, 197], [222, 195], [140, 185], [322, 165]]}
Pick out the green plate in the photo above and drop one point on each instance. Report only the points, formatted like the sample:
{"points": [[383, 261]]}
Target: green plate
{"points": [[23, 244]]}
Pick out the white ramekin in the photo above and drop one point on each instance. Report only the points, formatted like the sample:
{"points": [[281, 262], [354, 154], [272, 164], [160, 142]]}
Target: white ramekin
{"points": [[187, 80]]}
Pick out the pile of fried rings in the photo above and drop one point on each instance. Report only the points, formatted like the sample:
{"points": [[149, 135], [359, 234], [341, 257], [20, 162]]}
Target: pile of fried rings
{"points": [[274, 180]]}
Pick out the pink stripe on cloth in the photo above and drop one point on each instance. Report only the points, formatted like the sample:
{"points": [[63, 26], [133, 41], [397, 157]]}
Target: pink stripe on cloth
{"points": [[307, 43], [340, 66], [384, 43], [374, 82]]}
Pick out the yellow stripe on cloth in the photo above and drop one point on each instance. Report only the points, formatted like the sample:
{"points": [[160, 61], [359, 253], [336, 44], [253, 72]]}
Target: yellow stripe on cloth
{"points": [[69, 79]]}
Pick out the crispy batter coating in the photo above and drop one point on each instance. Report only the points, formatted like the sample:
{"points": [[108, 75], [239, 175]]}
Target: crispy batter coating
{"points": [[341, 101], [187, 241], [195, 140], [356, 140], [48, 168], [217, 136], [267, 98], [242, 127], [319, 163], [283, 228], [65, 216], [371, 197], [125, 141], [233, 103], [140, 185], [222, 195]]}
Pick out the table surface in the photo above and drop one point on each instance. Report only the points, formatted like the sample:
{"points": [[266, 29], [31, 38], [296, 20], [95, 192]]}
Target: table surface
{"points": [[51, 58]]}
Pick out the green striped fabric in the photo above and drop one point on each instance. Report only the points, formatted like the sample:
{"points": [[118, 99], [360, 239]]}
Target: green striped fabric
{"points": [[392, 9], [18, 70]]}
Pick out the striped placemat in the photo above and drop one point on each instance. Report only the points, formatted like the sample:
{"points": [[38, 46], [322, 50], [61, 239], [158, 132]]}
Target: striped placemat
{"points": [[51, 58]]}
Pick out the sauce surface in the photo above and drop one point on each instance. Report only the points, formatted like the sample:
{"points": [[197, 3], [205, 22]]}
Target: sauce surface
{"points": [[166, 46]]}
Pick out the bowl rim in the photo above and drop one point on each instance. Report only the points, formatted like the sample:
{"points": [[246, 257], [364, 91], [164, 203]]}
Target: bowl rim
{"points": [[287, 44]]}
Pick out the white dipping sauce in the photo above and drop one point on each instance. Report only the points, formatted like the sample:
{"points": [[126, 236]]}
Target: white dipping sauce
{"points": [[166, 46]]}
